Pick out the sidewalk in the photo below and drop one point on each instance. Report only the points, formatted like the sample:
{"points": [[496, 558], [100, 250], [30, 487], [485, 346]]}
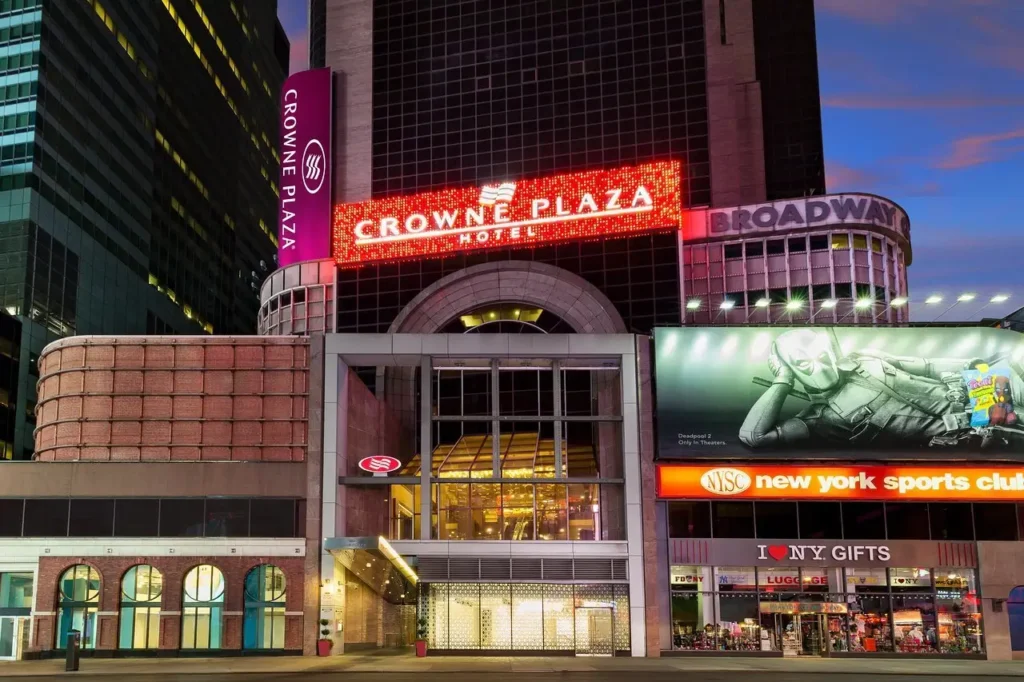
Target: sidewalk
{"points": [[483, 665]]}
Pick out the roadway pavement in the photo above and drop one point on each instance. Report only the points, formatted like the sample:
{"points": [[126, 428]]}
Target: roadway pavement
{"points": [[381, 668]]}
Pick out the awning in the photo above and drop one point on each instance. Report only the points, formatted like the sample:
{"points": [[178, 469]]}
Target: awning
{"points": [[376, 564]]}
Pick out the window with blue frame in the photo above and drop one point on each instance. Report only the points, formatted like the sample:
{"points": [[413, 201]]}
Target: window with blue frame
{"points": [[1015, 609], [79, 600], [141, 588], [202, 608], [263, 627]]}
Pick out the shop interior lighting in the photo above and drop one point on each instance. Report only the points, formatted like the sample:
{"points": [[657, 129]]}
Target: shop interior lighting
{"points": [[863, 303], [932, 300], [693, 304], [898, 302], [728, 304], [829, 303], [964, 298]]}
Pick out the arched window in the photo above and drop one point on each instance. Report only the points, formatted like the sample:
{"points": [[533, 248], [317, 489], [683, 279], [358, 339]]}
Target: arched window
{"points": [[1015, 609], [141, 587], [202, 607], [79, 600], [264, 608]]}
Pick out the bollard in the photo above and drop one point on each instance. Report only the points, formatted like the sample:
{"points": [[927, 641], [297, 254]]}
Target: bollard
{"points": [[71, 653]]}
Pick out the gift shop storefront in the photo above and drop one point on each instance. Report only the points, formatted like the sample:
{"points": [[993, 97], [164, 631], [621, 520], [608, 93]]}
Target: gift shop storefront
{"points": [[800, 598], [842, 560]]}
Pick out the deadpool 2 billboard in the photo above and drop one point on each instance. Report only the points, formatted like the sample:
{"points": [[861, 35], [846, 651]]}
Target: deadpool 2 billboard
{"points": [[840, 392]]}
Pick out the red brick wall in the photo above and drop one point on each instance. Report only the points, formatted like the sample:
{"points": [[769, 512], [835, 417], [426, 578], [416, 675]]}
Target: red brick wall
{"points": [[174, 569], [168, 398], [372, 430]]}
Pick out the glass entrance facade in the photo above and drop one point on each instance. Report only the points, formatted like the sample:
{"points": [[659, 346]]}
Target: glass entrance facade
{"points": [[824, 611], [588, 619]]}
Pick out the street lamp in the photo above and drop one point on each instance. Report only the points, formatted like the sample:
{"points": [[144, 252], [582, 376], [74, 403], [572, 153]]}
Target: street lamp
{"points": [[863, 303], [829, 303], [794, 304], [898, 302], [693, 304], [933, 299], [962, 298], [727, 304]]}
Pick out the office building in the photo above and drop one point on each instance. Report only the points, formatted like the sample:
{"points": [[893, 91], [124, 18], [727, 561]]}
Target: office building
{"points": [[138, 188]]}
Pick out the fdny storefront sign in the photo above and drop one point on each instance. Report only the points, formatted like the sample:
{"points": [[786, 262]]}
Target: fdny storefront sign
{"points": [[305, 205], [528, 212], [784, 216]]}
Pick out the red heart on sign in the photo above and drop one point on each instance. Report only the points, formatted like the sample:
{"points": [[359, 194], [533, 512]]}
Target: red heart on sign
{"points": [[778, 552]]}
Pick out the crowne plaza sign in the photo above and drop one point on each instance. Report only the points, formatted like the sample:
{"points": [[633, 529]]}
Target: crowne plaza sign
{"points": [[611, 202]]}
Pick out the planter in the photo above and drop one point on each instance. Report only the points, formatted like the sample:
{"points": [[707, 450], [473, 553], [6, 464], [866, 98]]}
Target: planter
{"points": [[323, 647], [421, 648]]}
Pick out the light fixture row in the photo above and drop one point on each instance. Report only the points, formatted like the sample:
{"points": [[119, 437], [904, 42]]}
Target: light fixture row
{"points": [[860, 303]]}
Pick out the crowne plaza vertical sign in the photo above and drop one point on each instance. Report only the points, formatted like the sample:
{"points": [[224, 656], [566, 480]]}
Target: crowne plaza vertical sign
{"points": [[304, 219], [616, 201]]}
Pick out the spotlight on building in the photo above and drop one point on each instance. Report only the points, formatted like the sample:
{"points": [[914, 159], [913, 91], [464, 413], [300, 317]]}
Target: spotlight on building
{"points": [[693, 304]]}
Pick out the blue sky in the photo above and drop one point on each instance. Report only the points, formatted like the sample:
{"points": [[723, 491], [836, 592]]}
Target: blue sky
{"points": [[923, 103]]}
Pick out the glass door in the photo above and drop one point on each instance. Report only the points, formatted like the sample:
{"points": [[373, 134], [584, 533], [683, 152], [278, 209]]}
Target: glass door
{"points": [[8, 638], [594, 629]]}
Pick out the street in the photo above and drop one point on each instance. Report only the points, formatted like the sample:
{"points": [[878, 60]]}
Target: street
{"points": [[563, 676]]}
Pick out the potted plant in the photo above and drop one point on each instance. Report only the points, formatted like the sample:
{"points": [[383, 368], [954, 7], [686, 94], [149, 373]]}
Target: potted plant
{"points": [[324, 644], [421, 637]]}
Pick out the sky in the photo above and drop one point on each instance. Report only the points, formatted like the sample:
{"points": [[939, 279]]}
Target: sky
{"points": [[922, 103]]}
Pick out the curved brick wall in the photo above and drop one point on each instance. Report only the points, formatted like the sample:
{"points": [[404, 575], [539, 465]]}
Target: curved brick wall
{"points": [[167, 398]]}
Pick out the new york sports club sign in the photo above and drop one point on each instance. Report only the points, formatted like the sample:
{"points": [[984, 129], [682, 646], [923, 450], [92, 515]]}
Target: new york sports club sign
{"points": [[619, 201]]}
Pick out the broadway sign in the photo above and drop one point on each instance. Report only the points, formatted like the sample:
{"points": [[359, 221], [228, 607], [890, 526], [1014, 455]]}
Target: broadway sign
{"points": [[523, 213], [783, 216], [305, 204]]}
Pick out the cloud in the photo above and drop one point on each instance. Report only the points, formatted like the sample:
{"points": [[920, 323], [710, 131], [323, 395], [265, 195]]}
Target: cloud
{"points": [[298, 57], [976, 150], [876, 101], [892, 11], [1001, 46], [872, 11], [841, 178]]}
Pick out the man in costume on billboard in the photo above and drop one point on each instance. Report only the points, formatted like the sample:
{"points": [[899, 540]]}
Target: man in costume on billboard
{"points": [[866, 399]]}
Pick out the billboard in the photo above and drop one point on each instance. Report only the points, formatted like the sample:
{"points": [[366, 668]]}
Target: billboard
{"points": [[509, 213], [304, 217], [839, 392], [844, 482]]}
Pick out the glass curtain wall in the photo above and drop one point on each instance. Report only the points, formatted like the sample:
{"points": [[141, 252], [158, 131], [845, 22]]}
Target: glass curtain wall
{"points": [[521, 450], [815, 611], [521, 616]]}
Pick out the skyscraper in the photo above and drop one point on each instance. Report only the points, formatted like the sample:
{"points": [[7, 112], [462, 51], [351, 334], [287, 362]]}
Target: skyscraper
{"points": [[138, 171]]}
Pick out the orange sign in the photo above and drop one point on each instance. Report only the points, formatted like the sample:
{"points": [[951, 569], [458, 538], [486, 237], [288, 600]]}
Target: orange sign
{"points": [[840, 482]]}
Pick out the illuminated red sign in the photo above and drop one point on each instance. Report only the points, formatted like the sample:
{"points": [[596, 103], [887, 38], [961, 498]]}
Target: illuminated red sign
{"points": [[579, 205], [381, 464]]}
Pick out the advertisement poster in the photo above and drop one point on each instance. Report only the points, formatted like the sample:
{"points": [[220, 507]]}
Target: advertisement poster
{"points": [[839, 392]]}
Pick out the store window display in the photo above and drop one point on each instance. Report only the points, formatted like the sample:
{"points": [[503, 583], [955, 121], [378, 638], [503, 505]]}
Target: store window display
{"points": [[815, 611]]}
